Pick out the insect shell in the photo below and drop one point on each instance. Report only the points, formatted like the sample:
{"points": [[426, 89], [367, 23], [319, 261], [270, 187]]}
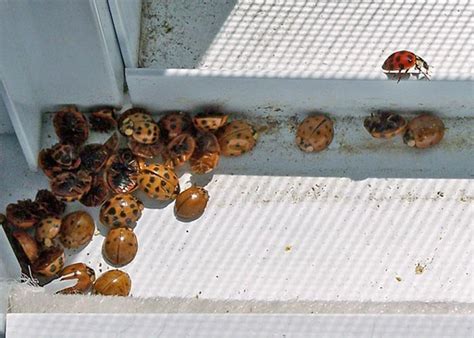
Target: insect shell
{"points": [[180, 149], [70, 186], [159, 181], [71, 126], [206, 154], [113, 283], [191, 203], [236, 138], [84, 275], [121, 210], [385, 125], [424, 131], [120, 246], [315, 133], [404, 61]]}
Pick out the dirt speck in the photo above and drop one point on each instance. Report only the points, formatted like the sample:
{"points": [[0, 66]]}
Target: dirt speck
{"points": [[419, 268], [288, 248]]}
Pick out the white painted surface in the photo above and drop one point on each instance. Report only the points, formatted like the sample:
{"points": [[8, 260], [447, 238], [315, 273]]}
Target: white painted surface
{"points": [[331, 326], [327, 39]]}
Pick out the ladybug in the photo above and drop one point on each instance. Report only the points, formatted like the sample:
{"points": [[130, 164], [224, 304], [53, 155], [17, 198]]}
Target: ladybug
{"points": [[122, 171], [66, 156], [47, 230], [424, 131], [113, 283], [71, 126], [70, 186], [47, 202], [84, 275], [23, 214], [190, 204], [209, 122], [103, 120], [28, 245], [48, 165], [121, 210], [120, 246], [140, 126], [93, 157], [315, 133], [236, 138], [206, 155], [50, 262], [159, 181], [180, 149], [77, 229], [385, 124], [175, 124], [145, 150], [98, 192], [403, 61]]}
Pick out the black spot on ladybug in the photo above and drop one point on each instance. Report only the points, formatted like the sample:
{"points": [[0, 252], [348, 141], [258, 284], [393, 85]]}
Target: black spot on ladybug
{"points": [[111, 211], [152, 180], [167, 176], [401, 66], [123, 214], [163, 183], [398, 58]]}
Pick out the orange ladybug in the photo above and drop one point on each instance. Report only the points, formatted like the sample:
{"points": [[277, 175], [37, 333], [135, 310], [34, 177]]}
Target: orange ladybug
{"points": [[159, 181], [121, 210], [209, 121], [315, 133], [180, 149], [424, 131], [113, 283], [404, 61], [77, 229], [206, 155], [84, 275], [120, 246], [385, 124], [191, 203]]}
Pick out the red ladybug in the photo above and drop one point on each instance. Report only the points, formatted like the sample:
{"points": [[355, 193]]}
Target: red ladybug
{"points": [[405, 60]]}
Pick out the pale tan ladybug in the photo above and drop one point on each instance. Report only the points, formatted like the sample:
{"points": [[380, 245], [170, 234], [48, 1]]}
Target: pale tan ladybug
{"points": [[120, 246], [50, 262], [236, 138], [385, 124], [84, 275], [139, 125], [206, 155], [77, 229], [315, 133], [121, 210], [159, 181], [191, 203], [47, 230], [27, 245], [209, 122], [424, 131], [113, 283]]}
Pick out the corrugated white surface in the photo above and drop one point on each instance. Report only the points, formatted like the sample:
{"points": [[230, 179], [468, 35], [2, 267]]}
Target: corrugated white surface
{"points": [[96, 325], [328, 39]]}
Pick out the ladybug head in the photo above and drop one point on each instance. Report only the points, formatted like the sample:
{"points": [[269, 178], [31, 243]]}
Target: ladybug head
{"points": [[422, 63]]}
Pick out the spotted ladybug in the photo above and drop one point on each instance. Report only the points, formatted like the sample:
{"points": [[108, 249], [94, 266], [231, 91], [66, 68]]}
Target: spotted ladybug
{"points": [[424, 131], [121, 210], [103, 120], [385, 124], [236, 138], [71, 186], [403, 61], [315, 133], [120, 246], [50, 262], [113, 283], [174, 124], [159, 181], [77, 229], [66, 156], [47, 230], [139, 125], [209, 122]]}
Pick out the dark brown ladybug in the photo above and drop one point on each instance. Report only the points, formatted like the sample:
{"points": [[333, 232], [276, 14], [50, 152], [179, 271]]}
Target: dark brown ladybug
{"points": [[209, 122], [175, 124], [191, 203], [70, 186], [159, 181], [98, 192], [236, 138], [206, 154], [71, 126], [385, 124], [122, 171], [113, 283], [180, 149], [48, 202], [424, 131], [93, 157], [66, 156], [121, 210], [23, 214], [145, 150], [315, 133], [77, 229], [50, 262], [120, 246], [47, 164], [84, 275], [103, 120]]}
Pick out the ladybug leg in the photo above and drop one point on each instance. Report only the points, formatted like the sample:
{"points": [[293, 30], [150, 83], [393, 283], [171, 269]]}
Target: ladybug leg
{"points": [[422, 72], [399, 75]]}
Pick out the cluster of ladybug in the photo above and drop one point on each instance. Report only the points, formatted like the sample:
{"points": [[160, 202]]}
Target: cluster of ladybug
{"points": [[106, 175], [316, 132]]}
